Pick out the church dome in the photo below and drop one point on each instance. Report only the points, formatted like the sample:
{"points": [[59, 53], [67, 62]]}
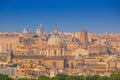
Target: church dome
{"points": [[56, 40]]}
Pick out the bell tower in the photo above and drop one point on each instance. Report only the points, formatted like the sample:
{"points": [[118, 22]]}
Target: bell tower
{"points": [[84, 39]]}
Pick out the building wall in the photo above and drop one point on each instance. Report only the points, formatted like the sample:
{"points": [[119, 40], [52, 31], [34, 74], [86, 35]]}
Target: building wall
{"points": [[54, 63], [8, 71], [10, 42]]}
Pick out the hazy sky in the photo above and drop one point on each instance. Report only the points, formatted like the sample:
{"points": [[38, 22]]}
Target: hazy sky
{"points": [[68, 15]]}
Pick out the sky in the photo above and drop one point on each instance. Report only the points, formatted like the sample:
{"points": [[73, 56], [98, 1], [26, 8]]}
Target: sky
{"points": [[98, 16]]}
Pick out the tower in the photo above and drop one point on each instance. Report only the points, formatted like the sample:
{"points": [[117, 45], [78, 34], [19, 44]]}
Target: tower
{"points": [[55, 30], [84, 39], [39, 30], [25, 31]]}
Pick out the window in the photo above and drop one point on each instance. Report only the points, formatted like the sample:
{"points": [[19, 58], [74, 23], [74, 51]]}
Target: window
{"points": [[55, 52]]}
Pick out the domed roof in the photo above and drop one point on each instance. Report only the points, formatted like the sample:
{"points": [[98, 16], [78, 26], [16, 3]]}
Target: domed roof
{"points": [[56, 40]]}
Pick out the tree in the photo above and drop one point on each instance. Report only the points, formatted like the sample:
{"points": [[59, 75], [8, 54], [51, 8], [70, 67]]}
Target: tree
{"points": [[43, 77], [115, 76], [61, 77], [88, 78], [33, 79], [77, 78], [54, 78], [4, 77], [70, 77], [23, 79], [105, 78], [82, 77], [96, 77]]}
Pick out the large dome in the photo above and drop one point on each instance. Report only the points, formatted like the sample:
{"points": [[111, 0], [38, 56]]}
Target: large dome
{"points": [[56, 41]]}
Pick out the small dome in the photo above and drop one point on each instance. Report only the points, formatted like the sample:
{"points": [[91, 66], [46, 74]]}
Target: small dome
{"points": [[56, 40]]}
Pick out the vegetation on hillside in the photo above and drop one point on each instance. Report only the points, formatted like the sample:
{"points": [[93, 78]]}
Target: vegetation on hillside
{"points": [[113, 76]]}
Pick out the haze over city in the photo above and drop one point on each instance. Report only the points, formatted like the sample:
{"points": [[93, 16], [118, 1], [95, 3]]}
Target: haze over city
{"points": [[98, 16]]}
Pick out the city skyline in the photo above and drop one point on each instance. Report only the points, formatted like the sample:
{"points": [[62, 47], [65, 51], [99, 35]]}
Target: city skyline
{"points": [[69, 16]]}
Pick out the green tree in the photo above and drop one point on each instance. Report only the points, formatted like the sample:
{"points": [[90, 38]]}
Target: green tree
{"points": [[23, 79], [77, 78], [70, 77], [4, 77], [82, 77], [96, 77], [105, 78], [33, 79], [88, 78], [115, 76], [43, 77], [61, 77], [54, 78]]}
